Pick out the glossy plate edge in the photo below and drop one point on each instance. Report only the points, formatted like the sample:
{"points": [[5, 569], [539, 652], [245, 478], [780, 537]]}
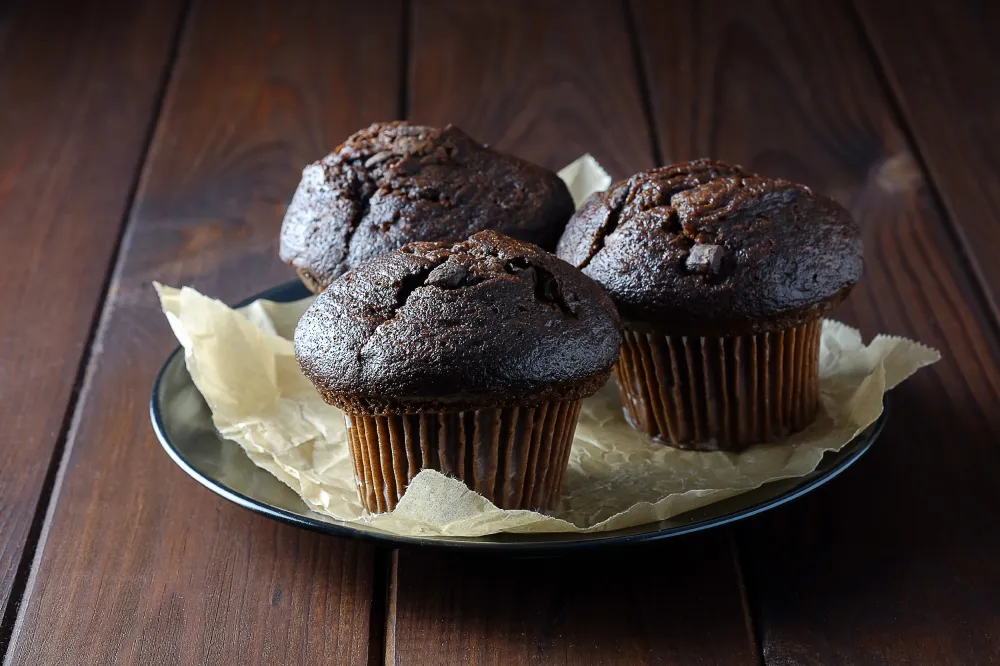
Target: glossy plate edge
{"points": [[520, 544]]}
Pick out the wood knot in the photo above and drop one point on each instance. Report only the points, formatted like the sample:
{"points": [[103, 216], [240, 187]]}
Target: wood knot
{"points": [[897, 173]]}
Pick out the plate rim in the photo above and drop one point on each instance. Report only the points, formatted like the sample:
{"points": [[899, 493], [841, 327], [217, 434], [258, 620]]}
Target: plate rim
{"points": [[586, 541]]}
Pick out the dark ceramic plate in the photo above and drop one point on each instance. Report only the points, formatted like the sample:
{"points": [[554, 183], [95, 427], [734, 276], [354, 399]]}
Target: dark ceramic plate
{"points": [[183, 425]]}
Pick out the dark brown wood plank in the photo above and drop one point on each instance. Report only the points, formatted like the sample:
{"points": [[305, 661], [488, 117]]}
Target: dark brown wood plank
{"points": [[669, 604], [79, 84], [940, 59], [139, 564], [893, 563], [543, 80], [549, 82]]}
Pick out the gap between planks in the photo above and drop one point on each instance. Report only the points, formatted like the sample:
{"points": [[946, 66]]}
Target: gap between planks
{"points": [[49, 493], [644, 83]]}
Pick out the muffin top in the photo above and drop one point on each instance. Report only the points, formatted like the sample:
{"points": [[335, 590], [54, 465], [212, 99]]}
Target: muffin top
{"points": [[488, 322], [396, 183], [704, 248]]}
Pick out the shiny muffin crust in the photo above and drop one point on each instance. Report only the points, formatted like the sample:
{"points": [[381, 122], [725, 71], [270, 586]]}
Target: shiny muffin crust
{"points": [[704, 248], [396, 183], [484, 323]]}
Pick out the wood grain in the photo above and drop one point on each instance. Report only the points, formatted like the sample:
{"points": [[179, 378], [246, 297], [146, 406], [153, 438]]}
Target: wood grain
{"points": [[667, 604], [893, 563], [79, 84], [543, 80], [548, 82], [940, 60], [140, 565]]}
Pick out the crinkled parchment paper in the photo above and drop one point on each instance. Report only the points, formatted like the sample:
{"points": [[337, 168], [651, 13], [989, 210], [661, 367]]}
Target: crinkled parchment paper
{"points": [[244, 365]]}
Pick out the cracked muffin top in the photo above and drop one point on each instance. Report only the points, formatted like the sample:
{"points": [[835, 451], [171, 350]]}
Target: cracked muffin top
{"points": [[703, 248], [488, 322], [396, 183]]}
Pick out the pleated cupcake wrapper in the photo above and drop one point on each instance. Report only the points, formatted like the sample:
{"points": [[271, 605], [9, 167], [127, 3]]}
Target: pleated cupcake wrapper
{"points": [[516, 457], [720, 393]]}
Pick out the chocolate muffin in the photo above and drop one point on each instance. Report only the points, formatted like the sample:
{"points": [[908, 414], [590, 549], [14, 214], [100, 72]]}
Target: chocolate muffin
{"points": [[396, 183], [722, 278], [468, 358]]}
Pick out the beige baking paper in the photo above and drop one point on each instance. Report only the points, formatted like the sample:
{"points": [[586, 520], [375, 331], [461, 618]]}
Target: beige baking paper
{"points": [[583, 177], [244, 365]]}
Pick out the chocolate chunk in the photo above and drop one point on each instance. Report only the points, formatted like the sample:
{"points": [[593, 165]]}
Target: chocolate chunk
{"points": [[788, 254], [448, 275], [705, 258]]}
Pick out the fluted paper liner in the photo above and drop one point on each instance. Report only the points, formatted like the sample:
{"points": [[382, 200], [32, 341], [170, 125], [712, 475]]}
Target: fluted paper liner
{"points": [[244, 366], [514, 457], [720, 393]]}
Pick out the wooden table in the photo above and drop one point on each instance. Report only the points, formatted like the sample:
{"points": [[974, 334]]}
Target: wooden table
{"points": [[162, 141]]}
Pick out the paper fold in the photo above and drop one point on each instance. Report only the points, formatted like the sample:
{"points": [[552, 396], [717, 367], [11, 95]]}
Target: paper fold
{"points": [[244, 365]]}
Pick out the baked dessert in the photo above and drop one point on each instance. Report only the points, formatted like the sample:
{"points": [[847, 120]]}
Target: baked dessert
{"points": [[396, 183], [721, 278], [469, 358]]}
